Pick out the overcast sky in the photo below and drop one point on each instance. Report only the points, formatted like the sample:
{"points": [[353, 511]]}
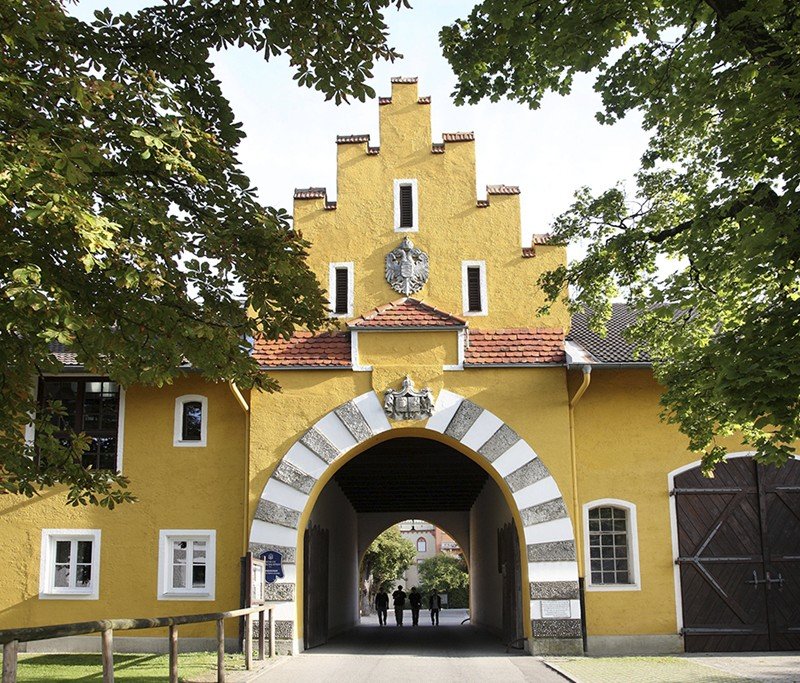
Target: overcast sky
{"points": [[291, 131]]}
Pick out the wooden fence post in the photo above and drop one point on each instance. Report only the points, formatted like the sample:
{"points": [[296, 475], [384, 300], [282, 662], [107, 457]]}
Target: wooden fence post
{"points": [[220, 651], [248, 642], [108, 655], [271, 632], [10, 661], [173, 654], [261, 640]]}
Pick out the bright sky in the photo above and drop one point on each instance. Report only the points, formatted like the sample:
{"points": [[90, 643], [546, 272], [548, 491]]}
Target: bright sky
{"points": [[291, 131]]}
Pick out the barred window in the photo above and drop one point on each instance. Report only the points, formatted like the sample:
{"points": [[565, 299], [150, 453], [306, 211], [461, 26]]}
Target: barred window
{"points": [[609, 549]]}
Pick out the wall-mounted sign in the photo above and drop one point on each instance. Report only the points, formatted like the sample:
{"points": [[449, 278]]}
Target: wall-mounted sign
{"points": [[555, 609], [273, 561]]}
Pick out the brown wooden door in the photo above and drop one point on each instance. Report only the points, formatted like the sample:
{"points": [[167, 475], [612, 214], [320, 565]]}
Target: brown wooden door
{"points": [[739, 557], [315, 587]]}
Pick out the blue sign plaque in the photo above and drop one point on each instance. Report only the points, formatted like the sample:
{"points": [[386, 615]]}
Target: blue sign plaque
{"points": [[274, 565]]}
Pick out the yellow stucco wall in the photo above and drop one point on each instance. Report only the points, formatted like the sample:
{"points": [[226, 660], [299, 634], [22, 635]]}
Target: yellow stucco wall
{"points": [[177, 488], [451, 228]]}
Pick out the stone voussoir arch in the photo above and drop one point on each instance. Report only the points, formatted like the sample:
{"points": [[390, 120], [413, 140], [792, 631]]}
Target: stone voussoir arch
{"points": [[552, 570]]}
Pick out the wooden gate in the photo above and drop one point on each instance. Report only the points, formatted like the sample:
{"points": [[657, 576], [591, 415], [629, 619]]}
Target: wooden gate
{"points": [[315, 587], [508, 565], [739, 556]]}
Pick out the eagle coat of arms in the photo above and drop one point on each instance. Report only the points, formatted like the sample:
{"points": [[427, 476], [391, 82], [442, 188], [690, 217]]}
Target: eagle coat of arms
{"points": [[406, 268]]}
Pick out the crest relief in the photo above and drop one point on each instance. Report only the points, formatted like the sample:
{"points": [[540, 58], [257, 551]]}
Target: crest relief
{"points": [[408, 403], [406, 268]]}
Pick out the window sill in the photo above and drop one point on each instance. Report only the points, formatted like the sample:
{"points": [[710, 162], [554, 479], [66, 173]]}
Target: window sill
{"points": [[69, 596], [414, 229], [475, 313], [189, 444], [614, 587], [207, 596]]}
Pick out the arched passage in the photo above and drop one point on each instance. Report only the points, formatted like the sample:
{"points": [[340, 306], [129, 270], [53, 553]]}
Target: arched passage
{"points": [[548, 570]]}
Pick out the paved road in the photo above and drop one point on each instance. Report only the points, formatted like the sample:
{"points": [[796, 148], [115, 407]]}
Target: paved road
{"points": [[449, 652]]}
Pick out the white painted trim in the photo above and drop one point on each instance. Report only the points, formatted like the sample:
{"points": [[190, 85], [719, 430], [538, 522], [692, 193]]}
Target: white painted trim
{"points": [[481, 430], [177, 433], [165, 537], [577, 354], [47, 591], [414, 204], [30, 428], [347, 265], [465, 289], [547, 532], [633, 546], [120, 426], [354, 359], [283, 494], [371, 409], [446, 405], [462, 337], [540, 491], [566, 570]]}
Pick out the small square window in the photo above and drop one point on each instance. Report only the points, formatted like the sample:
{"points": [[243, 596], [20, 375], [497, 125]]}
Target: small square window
{"points": [[70, 564], [186, 564]]}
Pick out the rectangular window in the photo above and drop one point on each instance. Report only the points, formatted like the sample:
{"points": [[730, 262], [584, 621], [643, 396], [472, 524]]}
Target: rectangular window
{"points": [[340, 290], [406, 205], [186, 564], [191, 421], [93, 407], [70, 563], [611, 553], [341, 297], [474, 293]]}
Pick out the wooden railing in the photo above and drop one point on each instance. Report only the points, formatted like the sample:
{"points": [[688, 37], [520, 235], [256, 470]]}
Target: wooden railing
{"points": [[11, 638]]}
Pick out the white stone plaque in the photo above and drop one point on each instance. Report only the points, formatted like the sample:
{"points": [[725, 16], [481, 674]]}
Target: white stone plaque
{"points": [[555, 609]]}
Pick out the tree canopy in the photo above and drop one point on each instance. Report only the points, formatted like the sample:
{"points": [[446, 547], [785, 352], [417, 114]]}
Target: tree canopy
{"points": [[718, 84], [447, 574], [387, 557], [128, 230]]}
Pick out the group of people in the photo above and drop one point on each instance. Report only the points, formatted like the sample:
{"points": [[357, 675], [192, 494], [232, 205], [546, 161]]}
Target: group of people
{"points": [[415, 602]]}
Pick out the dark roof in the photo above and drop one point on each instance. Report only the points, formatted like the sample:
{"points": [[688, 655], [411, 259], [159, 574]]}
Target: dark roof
{"points": [[613, 348], [64, 354]]}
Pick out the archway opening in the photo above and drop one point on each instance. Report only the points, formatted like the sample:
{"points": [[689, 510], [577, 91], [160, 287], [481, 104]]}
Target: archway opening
{"points": [[396, 480]]}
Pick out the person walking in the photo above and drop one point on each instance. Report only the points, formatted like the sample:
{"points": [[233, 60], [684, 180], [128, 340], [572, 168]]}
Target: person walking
{"points": [[399, 602], [382, 606], [415, 600], [435, 604]]}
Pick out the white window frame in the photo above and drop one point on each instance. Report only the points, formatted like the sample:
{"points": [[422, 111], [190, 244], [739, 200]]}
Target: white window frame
{"points": [[165, 539], [47, 589], [332, 268], [465, 288], [425, 542], [633, 546], [414, 204], [177, 436]]}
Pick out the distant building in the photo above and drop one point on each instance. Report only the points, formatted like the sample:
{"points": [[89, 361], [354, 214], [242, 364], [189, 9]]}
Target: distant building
{"points": [[429, 540]]}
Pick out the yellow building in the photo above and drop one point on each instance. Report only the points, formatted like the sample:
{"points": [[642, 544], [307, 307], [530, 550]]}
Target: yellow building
{"points": [[559, 473]]}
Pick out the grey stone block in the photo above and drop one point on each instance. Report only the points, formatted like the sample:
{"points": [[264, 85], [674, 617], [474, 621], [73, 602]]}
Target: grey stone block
{"points": [[464, 418], [544, 512], [542, 647], [352, 418], [554, 590], [279, 591], [498, 443], [556, 628], [289, 555], [526, 475], [284, 630], [294, 477], [316, 442], [267, 511], [552, 551]]}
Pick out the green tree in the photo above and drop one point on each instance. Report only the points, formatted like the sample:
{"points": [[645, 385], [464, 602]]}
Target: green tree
{"points": [[718, 84], [447, 574], [387, 557], [128, 230]]}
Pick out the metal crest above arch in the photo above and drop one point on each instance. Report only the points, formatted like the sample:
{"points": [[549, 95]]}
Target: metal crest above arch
{"points": [[548, 562]]}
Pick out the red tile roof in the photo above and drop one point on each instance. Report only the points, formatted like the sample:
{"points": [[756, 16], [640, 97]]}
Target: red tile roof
{"points": [[425, 99], [515, 347], [373, 150], [310, 193], [437, 148], [384, 100], [330, 206], [458, 137], [406, 313], [482, 203], [404, 79], [502, 189], [528, 252], [305, 350]]}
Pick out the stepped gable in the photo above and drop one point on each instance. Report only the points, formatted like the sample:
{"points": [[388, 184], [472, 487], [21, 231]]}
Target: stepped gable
{"points": [[406, 313], [305, 350], [523, 346], [538, 239]]}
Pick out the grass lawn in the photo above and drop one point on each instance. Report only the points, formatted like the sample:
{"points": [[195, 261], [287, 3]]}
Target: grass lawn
{"points": [[144, 668]]}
